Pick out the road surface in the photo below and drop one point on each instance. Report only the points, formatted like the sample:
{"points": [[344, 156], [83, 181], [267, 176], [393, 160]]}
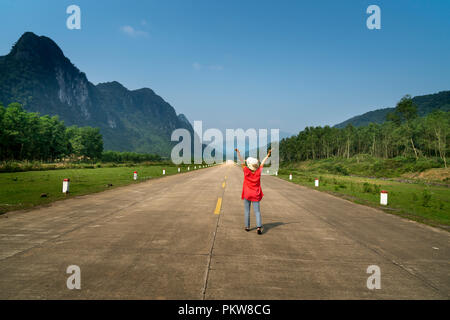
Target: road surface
{"points": [[172, 238]]}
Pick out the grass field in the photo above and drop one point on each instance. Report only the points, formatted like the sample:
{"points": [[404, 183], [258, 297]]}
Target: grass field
{"points": [[418, 201], [22, 190]]}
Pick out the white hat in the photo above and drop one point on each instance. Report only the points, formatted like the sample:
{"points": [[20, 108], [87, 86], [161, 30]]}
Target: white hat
{"points": [[252, 163]]}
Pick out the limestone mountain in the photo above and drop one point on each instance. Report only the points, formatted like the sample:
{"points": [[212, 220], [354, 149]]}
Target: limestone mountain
{"points": [[37, 74]]}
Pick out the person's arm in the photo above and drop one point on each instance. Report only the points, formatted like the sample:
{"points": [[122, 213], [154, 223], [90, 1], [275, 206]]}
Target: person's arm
{"points": [[240, 158], [265, 159]]}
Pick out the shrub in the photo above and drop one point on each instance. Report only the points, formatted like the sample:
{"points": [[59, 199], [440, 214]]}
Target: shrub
{"points": [[341, 170], [376, 188], [367, 187], [426, 197]]}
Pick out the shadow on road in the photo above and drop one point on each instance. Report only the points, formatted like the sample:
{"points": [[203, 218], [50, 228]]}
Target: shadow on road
{"points": [[268, 226]]}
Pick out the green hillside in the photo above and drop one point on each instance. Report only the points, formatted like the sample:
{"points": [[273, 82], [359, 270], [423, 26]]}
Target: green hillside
{"points": [[425, 105]]}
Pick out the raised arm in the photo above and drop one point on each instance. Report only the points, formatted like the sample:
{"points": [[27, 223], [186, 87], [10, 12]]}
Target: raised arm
{"points": [[267, 157], [240, 158]]}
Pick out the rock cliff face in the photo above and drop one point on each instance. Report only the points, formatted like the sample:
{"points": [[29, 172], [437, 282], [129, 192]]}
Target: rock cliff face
{"points": [[38, 75]]}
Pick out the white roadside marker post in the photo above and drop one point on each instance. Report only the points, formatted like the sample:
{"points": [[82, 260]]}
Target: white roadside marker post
{"points": [[290, 176], [135, 175], [164, 171], [178, 170], [65, 187], [276, 173], [316, 182], [189, 168], [383, 197]]}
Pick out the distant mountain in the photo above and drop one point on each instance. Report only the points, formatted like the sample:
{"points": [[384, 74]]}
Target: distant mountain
{"points": [[425, 104], [38, 75]]}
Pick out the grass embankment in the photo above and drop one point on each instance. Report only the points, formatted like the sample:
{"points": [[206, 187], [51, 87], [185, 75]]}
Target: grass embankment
{"points": [[423, 200], [22, 166], [367, 166], [22, 190]]}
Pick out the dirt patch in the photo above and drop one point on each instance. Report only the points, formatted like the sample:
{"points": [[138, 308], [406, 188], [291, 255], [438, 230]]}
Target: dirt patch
{"points": [[435, 174]]}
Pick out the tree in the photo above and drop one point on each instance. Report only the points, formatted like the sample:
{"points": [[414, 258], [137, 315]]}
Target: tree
{"points": [[405, 134], [349, 133], [406, 111], [14, 122], [28, 136], [439, 125], [86, 142], [2, 132]]}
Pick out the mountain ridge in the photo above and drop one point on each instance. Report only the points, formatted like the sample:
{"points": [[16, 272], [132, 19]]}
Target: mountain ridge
{"points": [[425, 104], [37, 74]]}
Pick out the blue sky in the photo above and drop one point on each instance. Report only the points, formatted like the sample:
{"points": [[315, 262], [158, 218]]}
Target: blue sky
{"points": [[251, 63]]}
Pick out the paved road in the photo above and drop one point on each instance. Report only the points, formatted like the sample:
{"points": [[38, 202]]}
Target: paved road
{"points": [[162, 240]]}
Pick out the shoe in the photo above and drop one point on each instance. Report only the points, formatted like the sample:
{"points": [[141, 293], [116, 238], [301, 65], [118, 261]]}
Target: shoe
{"points": [[259, 231], [247, 229]]}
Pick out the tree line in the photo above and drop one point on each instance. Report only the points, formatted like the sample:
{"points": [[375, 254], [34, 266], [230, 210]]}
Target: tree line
{"points": [[402, 134], [123, 157], [29, 136]]}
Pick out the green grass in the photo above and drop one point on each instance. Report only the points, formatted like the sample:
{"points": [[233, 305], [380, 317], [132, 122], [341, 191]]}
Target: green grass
{"points": [[22, 190], [416, 201], [366, 165], [22, 166]]}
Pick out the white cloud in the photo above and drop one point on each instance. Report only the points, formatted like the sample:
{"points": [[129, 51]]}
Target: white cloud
{"points": [[214, 67], [132, 32], [196, 66]]}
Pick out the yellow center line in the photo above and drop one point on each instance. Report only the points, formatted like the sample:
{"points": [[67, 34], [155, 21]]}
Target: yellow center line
{"points": [[218, 205]]}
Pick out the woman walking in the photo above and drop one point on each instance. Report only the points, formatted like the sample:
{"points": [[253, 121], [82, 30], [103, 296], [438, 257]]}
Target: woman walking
{"points": [[251, 190]]}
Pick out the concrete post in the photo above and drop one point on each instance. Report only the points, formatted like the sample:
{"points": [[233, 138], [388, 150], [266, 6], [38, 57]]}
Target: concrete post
{"points": [[65, 187], [383, 197]]}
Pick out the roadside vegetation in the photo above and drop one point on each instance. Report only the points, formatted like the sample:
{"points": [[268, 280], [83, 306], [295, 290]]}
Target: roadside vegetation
{"points": [[30, 142], [29, 136], [415, 200], [104, 162], [22, 190], [364, 165], [406, 156], [404, 134], [38, 152]]}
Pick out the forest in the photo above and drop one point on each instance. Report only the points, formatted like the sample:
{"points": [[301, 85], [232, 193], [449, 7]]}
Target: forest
{"points": [[29, 136], [403, 133]]}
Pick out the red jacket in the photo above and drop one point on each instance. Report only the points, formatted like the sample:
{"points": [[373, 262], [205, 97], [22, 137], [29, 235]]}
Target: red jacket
{"points": [[251, 190]]}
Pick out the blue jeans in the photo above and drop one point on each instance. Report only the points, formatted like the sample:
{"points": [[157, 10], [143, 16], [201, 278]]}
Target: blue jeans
{"points": [[247, 204]]}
